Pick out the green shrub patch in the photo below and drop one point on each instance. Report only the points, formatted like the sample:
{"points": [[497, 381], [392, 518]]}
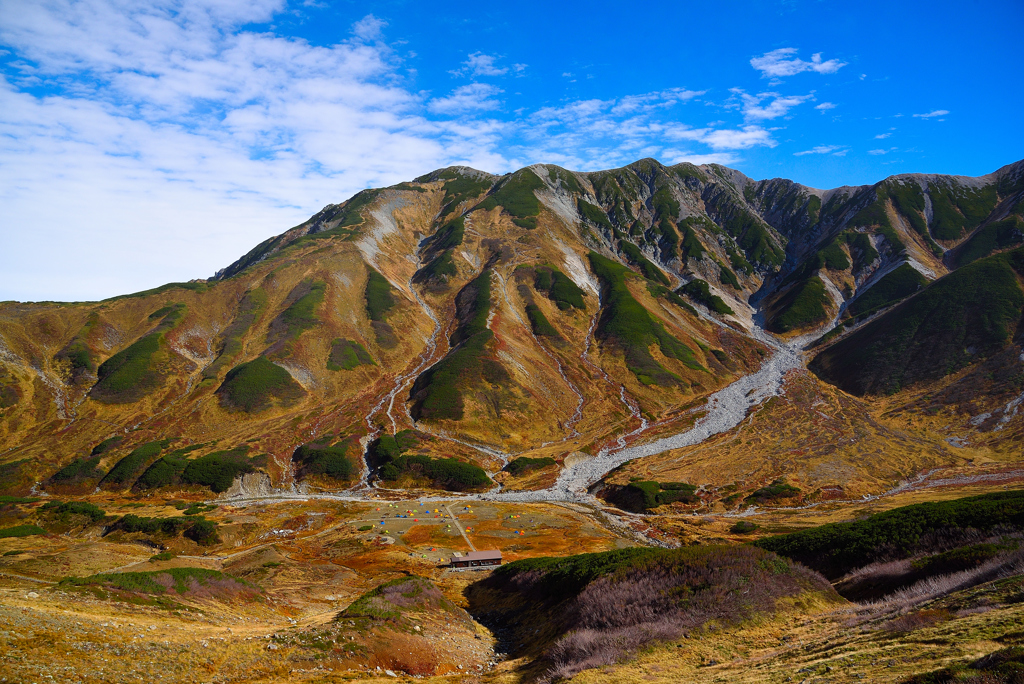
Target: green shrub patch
{"points": [[836, 548], [700, 292], [994, 236], [385, 454], [167, 470], [637, 258], [129, 374], [347, 355], [333, 461], [772, 493], [516, 196], [180, 580], [559, 288], [626, 324], [896, 285], [641, 496], [219, 469], [257, 385], [963, 317], [437, 393], [66, 512], [604, 607], [248, 310], [21, 531], [525, 464], [803, 305], [539, 322], [77, 472], [378, 295], [127, 470]]}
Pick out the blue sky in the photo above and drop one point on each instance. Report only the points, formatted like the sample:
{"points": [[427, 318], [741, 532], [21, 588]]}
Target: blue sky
{"points": [[147, 142]]}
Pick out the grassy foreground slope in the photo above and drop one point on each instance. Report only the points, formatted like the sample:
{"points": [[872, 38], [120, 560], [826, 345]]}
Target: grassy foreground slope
{"points": [[596, 609], [964, 317]]}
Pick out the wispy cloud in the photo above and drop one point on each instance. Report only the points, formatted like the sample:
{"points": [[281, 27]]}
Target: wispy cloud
{"points": [[479, 64], [825, 106], [783, 62], [880, 152], [837, 150], [776, 105], [929, 115], [475, 97]]}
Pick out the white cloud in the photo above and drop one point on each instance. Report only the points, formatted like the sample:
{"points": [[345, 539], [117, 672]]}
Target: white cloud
{"points": [[929, 115], [783, 62], [880, 152], [475, 97], [825, 106], [369, 28], [177, 142], [739, 139], [479, 64], [882, 136], [777, 105], [820, 149]]}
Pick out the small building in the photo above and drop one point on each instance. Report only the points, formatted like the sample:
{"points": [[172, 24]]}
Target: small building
{"points": [[476, 559]]}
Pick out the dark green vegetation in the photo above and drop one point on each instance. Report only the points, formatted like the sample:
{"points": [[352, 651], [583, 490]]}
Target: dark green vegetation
{"points": [[525, 464], [772, 493], [803, 305], [347, 215], [833, 257], [864, 253], [72, 512], [700, 292], [437, 393], [749, 231], [248, 310], [516, 196], [438, 270], [450, 235], [129, 374], [386, 455], [1005, 666], [218, 470], [599, 608], [77, 353], [107, 445], [994, 236], [132, 373], [393, 600], [539, 322], [348, 354], [642, 496], [896, 285], [21, 531], [874, 216], [963, 317], [127, 470], [257, 385], [335, 461], [744, 527], [299, 316], [837, 548], [458, 188], [198, 529], [559, 288], [627, 325], [379, 298], [637, 258], [167, 470], [181, 580], [956, 210], [77, 472], [595, 215]]}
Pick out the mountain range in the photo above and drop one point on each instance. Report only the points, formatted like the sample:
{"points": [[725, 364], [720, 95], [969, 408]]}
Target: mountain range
{"points": [[469, 318]]}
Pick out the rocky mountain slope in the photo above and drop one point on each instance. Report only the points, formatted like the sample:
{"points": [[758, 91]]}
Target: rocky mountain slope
{"points": [[463, 319]]}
